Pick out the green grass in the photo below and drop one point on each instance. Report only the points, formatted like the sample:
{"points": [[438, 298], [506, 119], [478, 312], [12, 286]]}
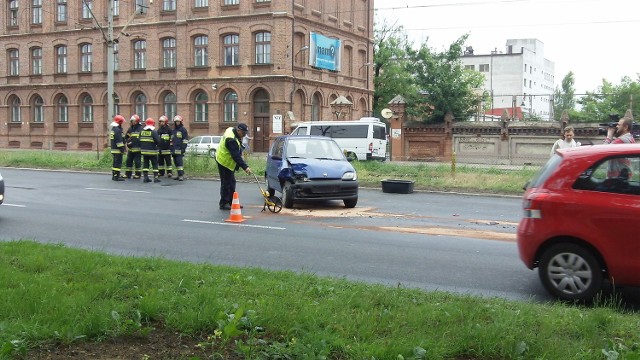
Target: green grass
{"points": [[54, 294], [427, 176]]}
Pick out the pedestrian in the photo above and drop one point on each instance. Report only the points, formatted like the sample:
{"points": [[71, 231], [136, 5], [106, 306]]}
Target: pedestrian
{"points": [[164, 156], [229, 159], [246, 148], [567, 140], [620, 134], [117, 147], [132, 139], [149, 141], [179, 138]]}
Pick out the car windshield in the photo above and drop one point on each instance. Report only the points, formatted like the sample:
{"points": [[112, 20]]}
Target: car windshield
{"points": [[313, 149], [545, 172], [216, 139]]}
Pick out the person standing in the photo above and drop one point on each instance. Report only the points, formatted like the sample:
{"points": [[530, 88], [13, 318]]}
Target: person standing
{"points": [[246, 148], [621, 134], [179, 138], [229, 159], [132, 139], [566, 142], [117, 147], [149, 141], [164, 156]]}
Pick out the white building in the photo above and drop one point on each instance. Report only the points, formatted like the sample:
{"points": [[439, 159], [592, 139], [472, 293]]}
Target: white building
{"points": [[519, 80]]}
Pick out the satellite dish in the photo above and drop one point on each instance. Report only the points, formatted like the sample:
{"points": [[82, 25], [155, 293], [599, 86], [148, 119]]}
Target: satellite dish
{"points": [[386, 113]]}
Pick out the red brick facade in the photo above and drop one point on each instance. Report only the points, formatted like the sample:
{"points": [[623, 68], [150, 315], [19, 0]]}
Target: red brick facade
{"points": [[32, 101]]}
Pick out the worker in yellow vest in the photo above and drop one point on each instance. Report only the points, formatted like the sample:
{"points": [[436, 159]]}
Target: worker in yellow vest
{"points": [[229, 159]]}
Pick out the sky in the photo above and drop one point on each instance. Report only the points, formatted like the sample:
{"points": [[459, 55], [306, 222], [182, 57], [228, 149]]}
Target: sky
{"points": [[595, 39]]}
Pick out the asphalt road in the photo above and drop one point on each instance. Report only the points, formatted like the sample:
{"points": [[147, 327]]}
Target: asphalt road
{"points": [[453, 242]]}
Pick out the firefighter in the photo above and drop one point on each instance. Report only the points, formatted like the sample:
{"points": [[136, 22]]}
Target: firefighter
{"points": [[132, 139], [149, 141], [164, 157], [117, 147], [179, 138]]}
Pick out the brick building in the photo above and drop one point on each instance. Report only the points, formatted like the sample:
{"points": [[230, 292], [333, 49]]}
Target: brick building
{"points": [[215, 62]]}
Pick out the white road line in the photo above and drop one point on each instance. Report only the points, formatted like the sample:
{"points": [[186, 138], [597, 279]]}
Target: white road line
{"points": [[14, 205], [122, 190], [235, 224]]}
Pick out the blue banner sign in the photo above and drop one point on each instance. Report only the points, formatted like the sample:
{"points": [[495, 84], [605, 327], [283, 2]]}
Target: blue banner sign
{"points": [[325, 52]]}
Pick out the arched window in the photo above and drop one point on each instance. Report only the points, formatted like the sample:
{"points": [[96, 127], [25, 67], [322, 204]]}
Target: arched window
{"points": [[200, 51], [61, 59], [38, 109], [62, 109], [231, 106], [15, 110], [140, 54], [263, 48], [316, 102], [231, 44], [87, 108], [169, 53], [14, 62], [261, 102], [36, 61], [202, 107], [140, 104], [116, 104], [85, 57], [170, 105]]}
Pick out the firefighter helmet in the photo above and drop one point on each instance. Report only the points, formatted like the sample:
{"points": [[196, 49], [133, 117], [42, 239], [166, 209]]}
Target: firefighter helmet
{"points": [[163, 119], [150, 122], [177, 118], [135, 119], [118, 119]]}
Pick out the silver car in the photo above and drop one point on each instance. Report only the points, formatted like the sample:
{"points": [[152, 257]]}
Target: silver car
{"points": [[203, 145]]}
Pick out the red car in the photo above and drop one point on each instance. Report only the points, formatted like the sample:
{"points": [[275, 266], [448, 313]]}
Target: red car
{"points": [[581, 221]]}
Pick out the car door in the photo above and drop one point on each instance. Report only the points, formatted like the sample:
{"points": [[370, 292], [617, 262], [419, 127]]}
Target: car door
{"points": [[274, 164], [192, 145]]}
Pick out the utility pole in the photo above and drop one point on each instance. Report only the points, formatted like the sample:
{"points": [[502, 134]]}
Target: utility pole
{"points": [[110, 63]]}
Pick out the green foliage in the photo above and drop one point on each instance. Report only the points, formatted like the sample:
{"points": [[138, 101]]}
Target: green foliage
{"points": [[564, 98]]}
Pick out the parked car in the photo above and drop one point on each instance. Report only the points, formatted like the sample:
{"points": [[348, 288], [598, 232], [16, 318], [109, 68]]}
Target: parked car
{"points": [[1, 189], [307, 168], [203, 145], [579, 226]]}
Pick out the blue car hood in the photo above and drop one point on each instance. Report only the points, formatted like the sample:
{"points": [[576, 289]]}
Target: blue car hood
{"points": [[317, 168]]}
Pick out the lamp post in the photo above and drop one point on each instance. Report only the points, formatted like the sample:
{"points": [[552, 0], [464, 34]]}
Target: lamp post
{"points": [[341, 106], [293, 75]]}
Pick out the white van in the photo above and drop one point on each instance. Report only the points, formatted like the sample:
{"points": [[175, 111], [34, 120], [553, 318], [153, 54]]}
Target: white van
{"points": [[363, 139]]}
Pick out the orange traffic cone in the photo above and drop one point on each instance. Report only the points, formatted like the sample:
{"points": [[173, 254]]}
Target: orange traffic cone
{"points": [[235, 215]]}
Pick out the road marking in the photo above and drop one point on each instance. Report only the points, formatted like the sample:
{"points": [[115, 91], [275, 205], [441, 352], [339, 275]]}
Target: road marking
{"points": [[235, 224], [123, 190], [14, 205]]}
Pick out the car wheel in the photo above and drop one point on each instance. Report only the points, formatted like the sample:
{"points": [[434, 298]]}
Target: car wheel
{"points": [[351, 156], [350, 203], [570, 272], [287, 196]]}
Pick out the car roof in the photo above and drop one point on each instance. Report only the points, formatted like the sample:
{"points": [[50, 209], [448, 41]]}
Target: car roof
{"points": [[317, 137], [599, 151]]}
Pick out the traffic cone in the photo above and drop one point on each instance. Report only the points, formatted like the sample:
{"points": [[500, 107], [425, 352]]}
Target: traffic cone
{"points": [[236, 214]]}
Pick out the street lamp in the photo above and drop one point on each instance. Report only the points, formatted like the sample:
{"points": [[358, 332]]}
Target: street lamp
{"points": [[341, 106], [293, 75]]}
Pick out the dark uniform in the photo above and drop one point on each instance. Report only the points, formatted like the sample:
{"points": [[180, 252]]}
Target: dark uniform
{"points": [[117, 147], [164, 158], [132, 138], [179, 138], [229, 159], [149, 141]]}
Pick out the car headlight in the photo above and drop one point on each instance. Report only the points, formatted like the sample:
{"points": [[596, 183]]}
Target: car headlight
{"points": [[350, 175]]}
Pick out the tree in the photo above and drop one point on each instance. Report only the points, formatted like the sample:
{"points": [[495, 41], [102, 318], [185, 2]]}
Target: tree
{"points": [[611, 99], [445, 86], [564, 98], [391, 76]]}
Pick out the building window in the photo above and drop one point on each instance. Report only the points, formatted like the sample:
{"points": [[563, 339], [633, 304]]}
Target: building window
{"points": [[483, 67], [231, 49], [202, 107], [140, 104], [87, 9], [36, 61], [263, 48], [38, 110], [14, 62], [262, 1], [201, 3], [116, 57], [169, 5], [87, 109], [61, 11], [116, 8], [141, 6], [200, 51], [116, 104], [169, 53], [13, 13], [85, 57], [230, 106], [525, 83], [170, 105], [61, 59], [470, 67], [139, 54], [36, 12], [231, 2], [62, 109], [315, 107], [261, 102], [15, 110]]}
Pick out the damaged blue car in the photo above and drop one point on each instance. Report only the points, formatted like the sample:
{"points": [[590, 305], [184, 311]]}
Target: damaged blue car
{"points": [[310, 168]]}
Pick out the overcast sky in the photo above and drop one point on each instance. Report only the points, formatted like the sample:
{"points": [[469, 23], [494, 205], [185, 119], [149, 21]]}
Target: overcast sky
{"points": [[596, 39]]}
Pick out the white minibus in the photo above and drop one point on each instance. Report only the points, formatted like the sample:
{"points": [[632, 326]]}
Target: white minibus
{"points": [[363, 139]]}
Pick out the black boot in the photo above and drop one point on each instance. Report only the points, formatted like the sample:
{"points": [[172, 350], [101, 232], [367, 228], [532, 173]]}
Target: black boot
{"points": [[155, 179], [169, 174], [146, 178], [115, 176]]}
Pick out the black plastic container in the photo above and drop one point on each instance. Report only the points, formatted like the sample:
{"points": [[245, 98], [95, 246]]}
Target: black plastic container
{"points": [[397, 186]]}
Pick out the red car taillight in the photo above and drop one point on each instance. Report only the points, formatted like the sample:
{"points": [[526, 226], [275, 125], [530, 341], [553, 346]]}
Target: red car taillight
{"points": [[531, 205]]}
